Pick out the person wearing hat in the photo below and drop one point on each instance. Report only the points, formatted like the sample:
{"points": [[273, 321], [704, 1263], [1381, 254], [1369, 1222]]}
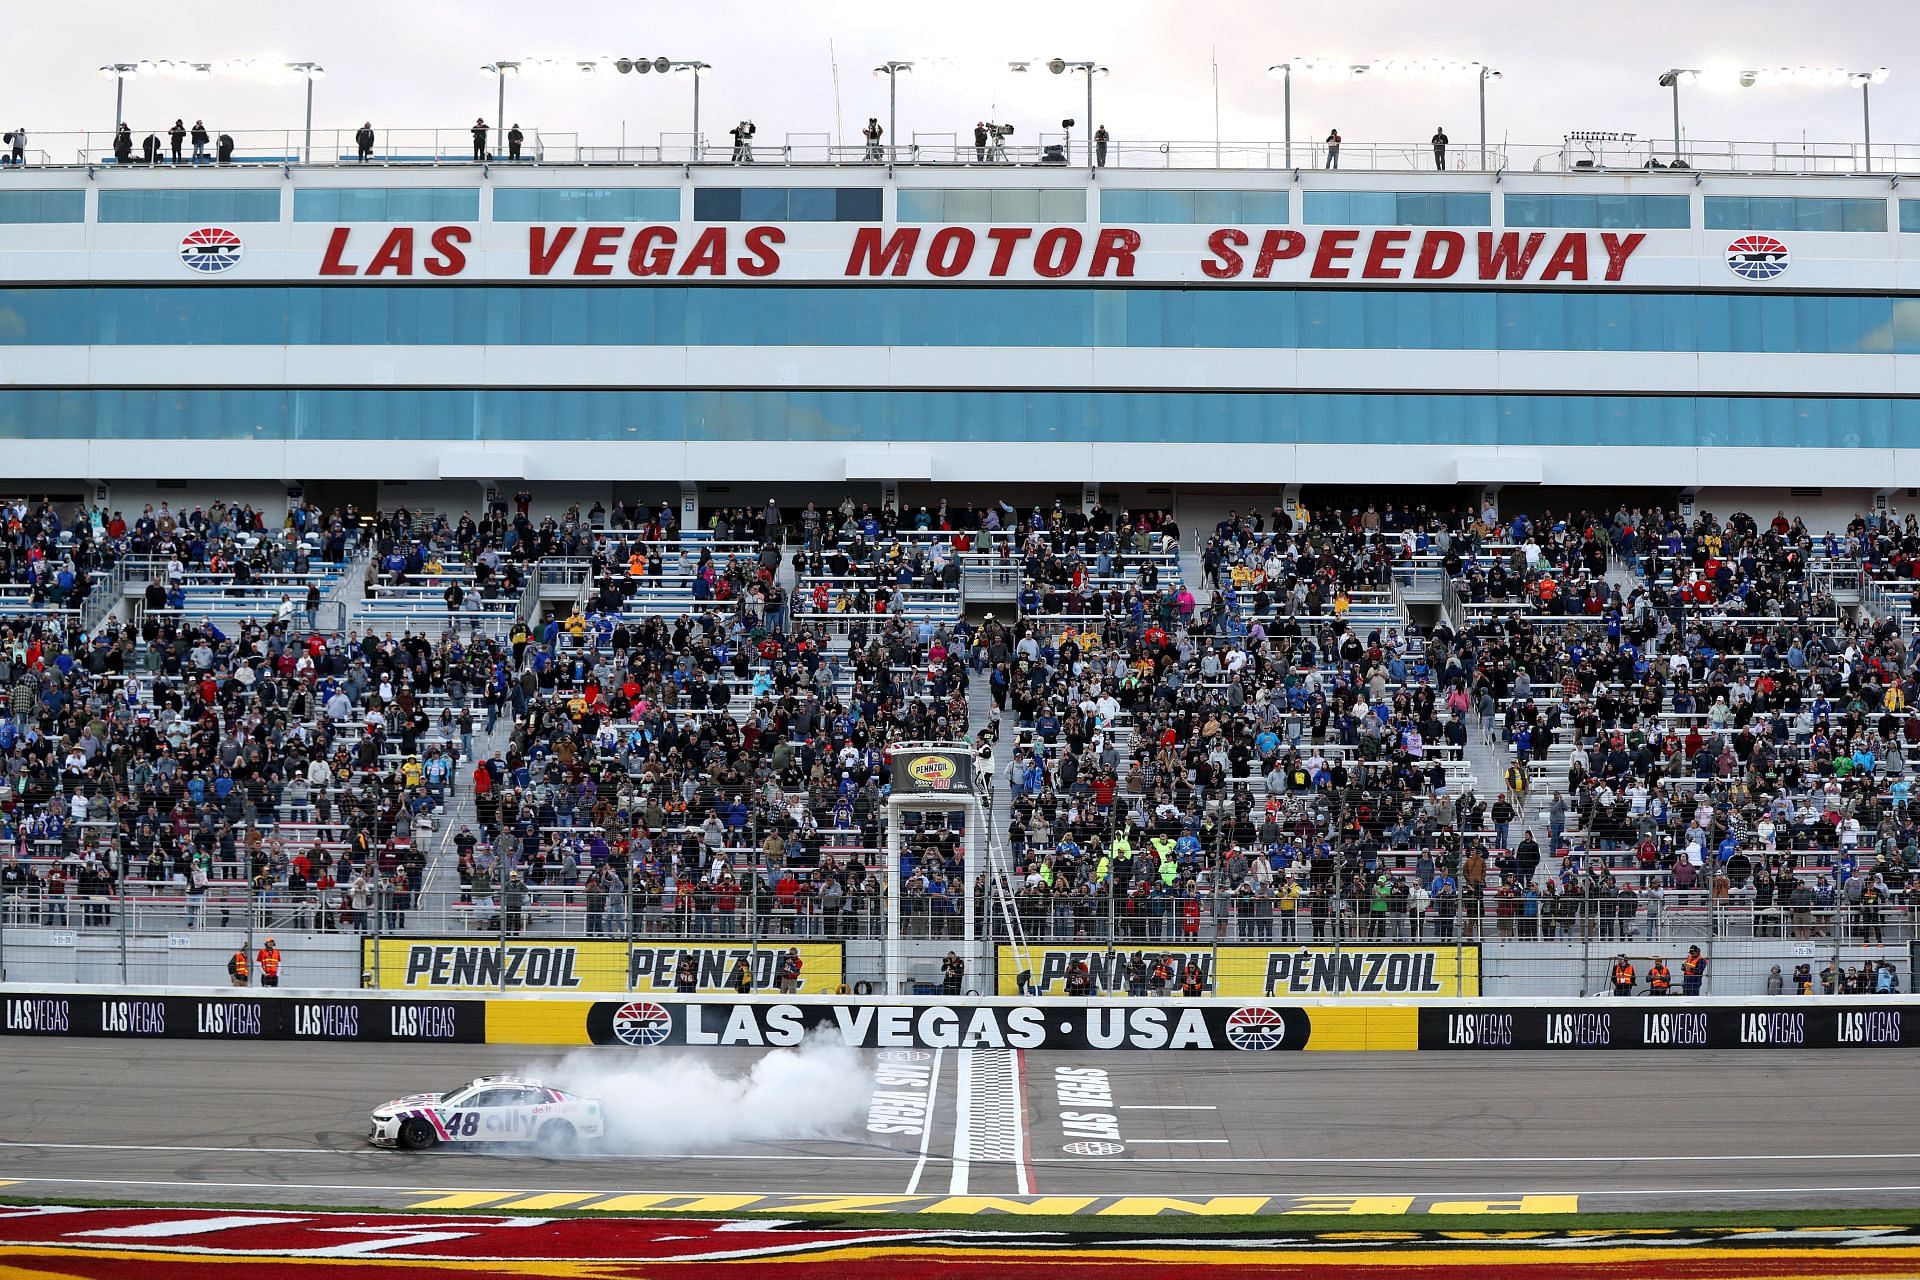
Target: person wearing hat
{"points": [[1622, 976], [269, 959], [1692, 970]]}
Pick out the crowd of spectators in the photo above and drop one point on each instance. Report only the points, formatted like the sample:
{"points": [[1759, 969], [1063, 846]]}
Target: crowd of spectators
{"points": [[1684, 719]]}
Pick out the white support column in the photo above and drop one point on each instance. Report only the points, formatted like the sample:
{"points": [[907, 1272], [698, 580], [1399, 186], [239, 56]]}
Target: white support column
{"points": [[1089, 499], [893, 954]]}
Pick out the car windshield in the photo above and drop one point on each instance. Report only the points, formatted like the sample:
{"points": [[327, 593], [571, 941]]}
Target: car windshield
{"points": [[451, 1094]]}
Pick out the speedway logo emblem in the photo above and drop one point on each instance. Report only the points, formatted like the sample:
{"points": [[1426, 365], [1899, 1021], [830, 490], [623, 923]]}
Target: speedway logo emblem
{"points": [[642, 1023], [1255, 1028], [1757, 257], [210, 250]]}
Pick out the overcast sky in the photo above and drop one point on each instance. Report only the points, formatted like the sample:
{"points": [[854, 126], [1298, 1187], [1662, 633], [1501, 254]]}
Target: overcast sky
{"points": [[411, 63]]}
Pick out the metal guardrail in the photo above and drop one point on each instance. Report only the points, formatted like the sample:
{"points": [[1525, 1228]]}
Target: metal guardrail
{"points": [[454, 146]]}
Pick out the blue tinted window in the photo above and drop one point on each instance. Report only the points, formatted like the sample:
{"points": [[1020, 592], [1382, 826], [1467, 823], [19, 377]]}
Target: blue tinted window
{"points": [[586, 204], [1133, 207], [386, 204], [1910, 215], [1399, 208], [993, 204], [786, 204], [1603, 211], [1795, 213], [43, 206], [987, 416], [191, 204], [899, 315]]}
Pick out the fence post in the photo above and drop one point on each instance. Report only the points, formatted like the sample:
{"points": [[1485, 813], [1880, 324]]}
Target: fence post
{"points": [[120, 914], [632, 886]]}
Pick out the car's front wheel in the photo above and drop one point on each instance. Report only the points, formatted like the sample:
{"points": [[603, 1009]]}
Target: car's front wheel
{"points": [[417, 1135], [559, 1138]]}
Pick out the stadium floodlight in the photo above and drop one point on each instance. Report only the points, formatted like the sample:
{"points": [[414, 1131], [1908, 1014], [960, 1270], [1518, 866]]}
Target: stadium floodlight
{"points": [[1766, 77], [1059, 67], [192, 69], [1320, 68], [692, 68], [1673, 79], [891, 69], [308, 71]]}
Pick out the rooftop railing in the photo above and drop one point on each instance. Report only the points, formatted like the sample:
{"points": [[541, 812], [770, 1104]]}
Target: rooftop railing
{"points": [[431, 147]]}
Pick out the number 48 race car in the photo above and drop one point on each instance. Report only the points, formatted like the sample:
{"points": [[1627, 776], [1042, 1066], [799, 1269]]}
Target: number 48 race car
{"points": [[492, 1109]]}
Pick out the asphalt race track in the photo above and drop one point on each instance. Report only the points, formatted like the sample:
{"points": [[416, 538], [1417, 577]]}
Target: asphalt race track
{"points": [[190, 1121]]}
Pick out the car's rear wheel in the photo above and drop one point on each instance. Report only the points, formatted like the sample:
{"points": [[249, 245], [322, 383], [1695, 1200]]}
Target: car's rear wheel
{"points": [[417, 1135], [559, 1138]]}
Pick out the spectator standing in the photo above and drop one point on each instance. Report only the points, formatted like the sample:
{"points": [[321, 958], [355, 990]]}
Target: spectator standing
{"points": [[741, 979], [514, 139], [1100, 146], [789, 971], [480, 139], [873, 133], [223, 148], [178, 137], [742, 142], [1659, 980], [1439, 147], [150, 148], [686, 974], [1622, 976], [980, 141], [363, 142], [19, 141], [269, 958], [1776, 983], [953, 970], [200, 138], [1692, 970], [1333, 148], [123, 145]]}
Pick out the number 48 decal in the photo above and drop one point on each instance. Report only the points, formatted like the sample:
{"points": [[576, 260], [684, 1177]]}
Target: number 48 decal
{"points": [[463, 1124]]}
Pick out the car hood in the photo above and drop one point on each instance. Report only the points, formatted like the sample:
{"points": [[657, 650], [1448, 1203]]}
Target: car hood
{"points": [[411, 1100]]}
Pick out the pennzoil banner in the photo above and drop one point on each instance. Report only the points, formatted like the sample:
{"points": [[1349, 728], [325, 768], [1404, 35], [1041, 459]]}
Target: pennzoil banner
{"points": [[471, 964], [931, 771], [1255, 971]]}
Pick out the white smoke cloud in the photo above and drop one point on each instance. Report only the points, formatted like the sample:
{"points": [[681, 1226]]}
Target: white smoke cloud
{"points": [[675, 1102]]}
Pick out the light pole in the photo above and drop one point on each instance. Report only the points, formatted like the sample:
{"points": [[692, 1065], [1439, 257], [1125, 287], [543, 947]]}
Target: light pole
{"points": [[502, 70], [119, 73], [690, 67], [1321, 67], [1825, 76], [1486, 73], [1673, 79], [1060, 66], [309, 71], [891, 69]]}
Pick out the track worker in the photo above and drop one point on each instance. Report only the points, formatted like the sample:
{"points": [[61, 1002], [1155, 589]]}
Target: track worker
{"points": [[237, 968], [1692, 969], [686, 974], [269, 959], [1622, 976], [741, 979], [1192, 981], [1659, 981]]}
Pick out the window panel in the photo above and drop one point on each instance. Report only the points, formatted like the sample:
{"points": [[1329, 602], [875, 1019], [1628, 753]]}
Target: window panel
{"points": [[42, 206]]}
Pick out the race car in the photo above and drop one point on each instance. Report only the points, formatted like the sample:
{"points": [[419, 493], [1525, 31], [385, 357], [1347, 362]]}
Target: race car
{"points": [[491, 1109]]}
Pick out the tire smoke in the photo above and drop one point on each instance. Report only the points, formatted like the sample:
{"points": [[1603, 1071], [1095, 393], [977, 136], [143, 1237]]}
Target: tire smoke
{"points": [[663, 1102]]}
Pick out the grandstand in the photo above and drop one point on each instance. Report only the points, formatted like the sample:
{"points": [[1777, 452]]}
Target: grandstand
{"points": [[1354, 606]]}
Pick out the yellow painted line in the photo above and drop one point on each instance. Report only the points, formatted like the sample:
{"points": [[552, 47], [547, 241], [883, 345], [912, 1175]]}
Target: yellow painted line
{"points": [[460, 1199], [550, 1200], [684, 1203]]}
